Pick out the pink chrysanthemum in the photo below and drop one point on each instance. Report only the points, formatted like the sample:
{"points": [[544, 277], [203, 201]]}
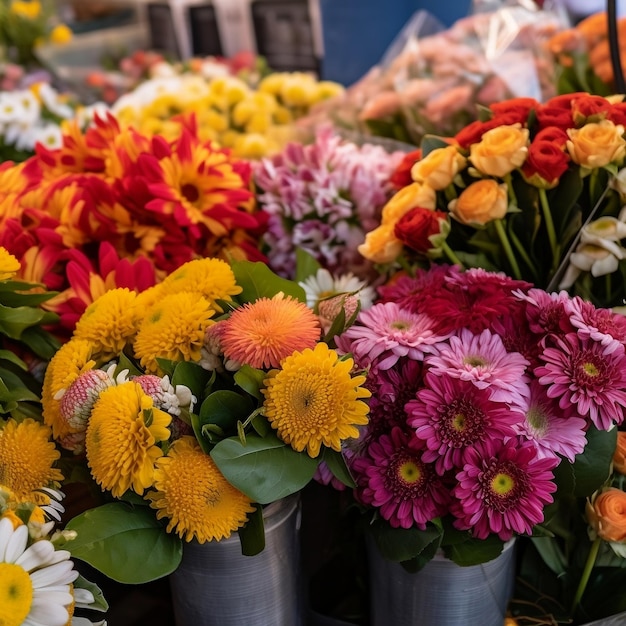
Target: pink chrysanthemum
{"points": [[385, 333], [395, 479], [452, 415], [483, 360], [553, 430], [503, 490], [546, 312], [602, 325], [517, 337], [587, 375]]}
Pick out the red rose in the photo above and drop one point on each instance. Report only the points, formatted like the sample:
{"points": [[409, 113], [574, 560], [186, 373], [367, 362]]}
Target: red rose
{"points": [[545, 164], [552, 134], [617, 113], [415, 227], [515, 108], [564, 101], [402, 175], [560, 117], [473, 132], [590, 109]]}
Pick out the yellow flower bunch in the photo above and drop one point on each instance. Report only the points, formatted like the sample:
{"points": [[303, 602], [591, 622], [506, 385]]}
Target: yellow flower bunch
{"points": [[253, 121]]}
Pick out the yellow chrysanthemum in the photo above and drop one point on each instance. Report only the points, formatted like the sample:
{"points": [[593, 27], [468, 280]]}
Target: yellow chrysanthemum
{"points": [[9, 265], [213, 278], [122, 436], [27, 456], [313, 400], [173, 329], [68, 363], [109, 322], [61, 34], [192, 493], [262, 333]]}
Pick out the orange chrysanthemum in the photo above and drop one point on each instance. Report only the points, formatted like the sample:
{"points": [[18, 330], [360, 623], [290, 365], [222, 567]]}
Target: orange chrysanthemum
{"points": [[262, 333]]}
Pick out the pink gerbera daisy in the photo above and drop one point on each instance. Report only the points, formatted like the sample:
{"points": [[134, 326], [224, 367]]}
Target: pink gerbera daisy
{"points": [[386, 332], [395, 478], [553, 430], [602, 325], [546, 312], [503, 490], [587, 375], [452, 415], [483, 360]]}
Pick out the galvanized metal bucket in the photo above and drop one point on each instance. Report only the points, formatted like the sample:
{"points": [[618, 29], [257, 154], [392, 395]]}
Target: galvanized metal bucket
{"points": [[215, 585], [442, 593]]}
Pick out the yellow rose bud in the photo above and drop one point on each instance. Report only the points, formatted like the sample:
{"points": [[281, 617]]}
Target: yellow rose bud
{"points": [[408, 198], [483, 201], [596, 144], [606, 514], [439, 167], [501, 150], [619, 456], [61, 34], [381, 245]]}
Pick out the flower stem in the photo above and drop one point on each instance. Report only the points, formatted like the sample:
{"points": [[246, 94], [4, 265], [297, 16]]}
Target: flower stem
{"points": [[504, 240], [509, 183], [584, 579], [451, 255], [522, 252], [547, 216]]}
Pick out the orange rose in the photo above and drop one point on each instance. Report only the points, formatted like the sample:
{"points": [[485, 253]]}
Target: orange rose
{"points": [[607, 514], [381, 245], [439, 167], [406, 199], [596, 144], [500, 150], [619, 456], [483, 201]]}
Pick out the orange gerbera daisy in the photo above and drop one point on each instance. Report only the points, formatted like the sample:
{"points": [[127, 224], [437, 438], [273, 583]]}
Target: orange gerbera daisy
{"points": [[262, 333]]}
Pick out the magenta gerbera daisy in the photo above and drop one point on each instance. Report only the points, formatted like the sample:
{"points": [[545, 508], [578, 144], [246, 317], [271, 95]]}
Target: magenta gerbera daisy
{"points": [[553, 430], [394, 478], [483, 360], [452, 415], [546, 312], [587, 375], [386, 332], [503, 490], [602, 325]]}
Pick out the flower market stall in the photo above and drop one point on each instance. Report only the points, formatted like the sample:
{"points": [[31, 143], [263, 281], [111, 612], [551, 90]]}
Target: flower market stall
{"points": [[278, 350]]}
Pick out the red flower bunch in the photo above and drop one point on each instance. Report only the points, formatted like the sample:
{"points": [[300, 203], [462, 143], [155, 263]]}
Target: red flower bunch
{"points": [[115, 208]]}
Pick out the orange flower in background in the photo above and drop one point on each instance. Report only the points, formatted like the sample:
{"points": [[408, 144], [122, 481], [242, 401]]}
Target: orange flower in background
{"points": [[619, 456], [607, 514]]}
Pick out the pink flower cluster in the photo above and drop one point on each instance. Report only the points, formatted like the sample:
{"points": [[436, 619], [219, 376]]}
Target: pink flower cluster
{"points": [[481, 385], [323, 197]]}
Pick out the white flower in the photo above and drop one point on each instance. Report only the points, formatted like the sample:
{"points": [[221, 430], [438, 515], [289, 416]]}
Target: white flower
{"points": [[588, 258], [50, 135], [323, 285], [54, 102], [35, 581]]}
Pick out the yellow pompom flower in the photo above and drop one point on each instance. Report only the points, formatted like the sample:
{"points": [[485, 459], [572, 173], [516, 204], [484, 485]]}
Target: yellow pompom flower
{"points": [[251, 146], [298, 90], [122, 436], [213, 278], [273, 83], [68, 363], [326, 89], [28, 9], [109, 322], [235, 90], [9, 265], [194, 496], [173, 329], [243, 111], [313, 400], [259, 122], [61, 34], [27, 456]]}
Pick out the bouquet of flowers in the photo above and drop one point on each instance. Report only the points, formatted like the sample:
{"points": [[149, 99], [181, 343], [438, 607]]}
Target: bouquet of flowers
{"points": [[322, 198], [534, 190], [487, 394], [192, 405], [112, 207]]}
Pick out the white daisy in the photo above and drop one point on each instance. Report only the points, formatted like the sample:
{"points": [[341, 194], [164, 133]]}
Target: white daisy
{"points": [[53, 101], [35, 581], [323, 285], [49, 134]]}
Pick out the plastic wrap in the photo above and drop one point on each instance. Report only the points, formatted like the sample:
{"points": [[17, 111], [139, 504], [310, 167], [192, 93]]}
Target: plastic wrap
{"points": [[433, 80]]}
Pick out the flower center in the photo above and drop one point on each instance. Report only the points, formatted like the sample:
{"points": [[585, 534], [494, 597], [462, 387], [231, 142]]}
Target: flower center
{"points": [[537, 420], [16, 594], [190, 192], [400, 325], [461, 423], [410, 472], [407, 476], [474, 360], [590, 371], [504, 483]]}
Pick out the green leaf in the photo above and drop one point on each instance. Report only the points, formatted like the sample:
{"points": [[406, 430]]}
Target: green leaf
{"points": [[191, 375], [126, 363], [252, 535], [337, 465], [225, 408], [99, 603], [40, 342], [593, 466], [404, 544], [474, 551], [265, 469], [430, 143], [250, 380], [551, 554], [8, 355], [258, 281], [13, 321], [125, 543], [306, 265]]}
